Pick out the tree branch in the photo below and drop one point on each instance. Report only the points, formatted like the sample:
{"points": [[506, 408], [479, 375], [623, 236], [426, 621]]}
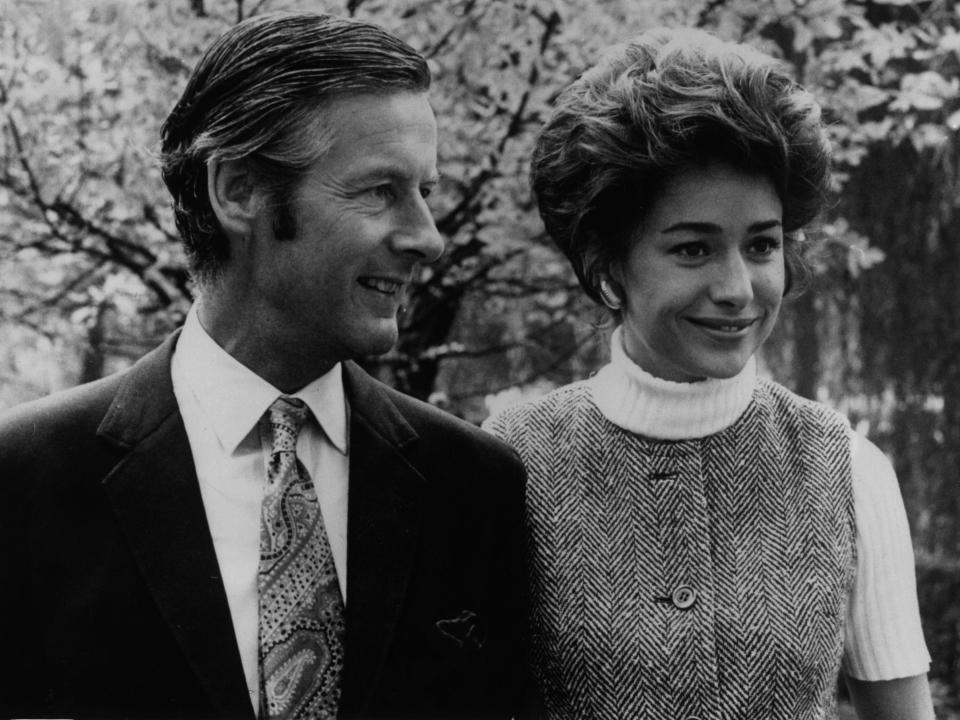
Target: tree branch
{"points": [[450, 223], [704, 16], [171, 64], [38, 304], [533, 375], [561, 316], [353, 6], [445, 38], [256, 8], [121, 251], [37, 328]]}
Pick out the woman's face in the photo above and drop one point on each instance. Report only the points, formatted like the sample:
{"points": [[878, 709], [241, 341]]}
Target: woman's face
{"points": [[704, 276]]}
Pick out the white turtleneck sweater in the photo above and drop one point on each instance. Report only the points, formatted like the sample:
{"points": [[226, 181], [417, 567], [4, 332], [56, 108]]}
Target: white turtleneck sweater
{"points": [[883, 637]]}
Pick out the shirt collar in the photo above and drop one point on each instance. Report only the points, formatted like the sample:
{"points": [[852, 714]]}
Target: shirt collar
{"points": [[234, 398], [637, 401]]}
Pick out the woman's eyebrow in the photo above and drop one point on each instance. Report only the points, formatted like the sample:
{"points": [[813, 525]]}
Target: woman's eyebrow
{"points": [[712, 228]]}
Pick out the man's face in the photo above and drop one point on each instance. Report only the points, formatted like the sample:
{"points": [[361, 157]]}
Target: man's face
{"points": [[362, 227]]}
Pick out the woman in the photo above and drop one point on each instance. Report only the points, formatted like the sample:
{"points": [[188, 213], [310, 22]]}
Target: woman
{"points": [[705, 544]]}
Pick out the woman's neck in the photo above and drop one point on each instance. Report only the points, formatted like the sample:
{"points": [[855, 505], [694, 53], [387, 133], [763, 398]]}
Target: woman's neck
{"points": [[637, 401]]}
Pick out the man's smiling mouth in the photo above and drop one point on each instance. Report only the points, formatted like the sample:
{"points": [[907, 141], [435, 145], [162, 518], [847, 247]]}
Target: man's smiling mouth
{"points": [[381, 285]]}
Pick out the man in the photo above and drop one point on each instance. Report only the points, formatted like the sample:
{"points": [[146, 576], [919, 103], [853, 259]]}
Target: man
{"points": [[244, 523]]}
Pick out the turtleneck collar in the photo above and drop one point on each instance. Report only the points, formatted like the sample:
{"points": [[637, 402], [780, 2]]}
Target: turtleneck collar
{"points": [[637, 401]]}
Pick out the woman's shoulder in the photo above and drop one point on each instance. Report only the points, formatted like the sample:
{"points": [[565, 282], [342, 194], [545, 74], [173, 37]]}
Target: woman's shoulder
{"points": [[792, 407], [541, 415]]}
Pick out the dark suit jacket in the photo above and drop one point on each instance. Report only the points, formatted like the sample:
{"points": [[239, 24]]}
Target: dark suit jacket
{"points": [[112, 603]]}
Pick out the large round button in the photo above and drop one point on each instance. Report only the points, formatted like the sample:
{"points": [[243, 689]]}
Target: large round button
{"points": [[684, 597]]}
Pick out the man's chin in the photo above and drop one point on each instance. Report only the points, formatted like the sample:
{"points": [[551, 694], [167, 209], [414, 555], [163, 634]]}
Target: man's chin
{"points": [[378, 340]]}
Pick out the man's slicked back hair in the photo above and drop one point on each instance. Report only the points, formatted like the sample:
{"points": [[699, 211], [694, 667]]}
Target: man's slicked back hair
{"points": [[258, 93]]}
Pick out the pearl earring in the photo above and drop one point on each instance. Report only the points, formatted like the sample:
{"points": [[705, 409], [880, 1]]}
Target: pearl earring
{"points": [[610, 298]]}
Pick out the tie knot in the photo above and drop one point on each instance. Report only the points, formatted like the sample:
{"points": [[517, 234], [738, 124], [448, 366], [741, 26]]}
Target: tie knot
{"points": [[287, 416]]}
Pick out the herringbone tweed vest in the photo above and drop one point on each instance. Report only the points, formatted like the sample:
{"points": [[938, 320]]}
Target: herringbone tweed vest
{"points": [[702, 578]]}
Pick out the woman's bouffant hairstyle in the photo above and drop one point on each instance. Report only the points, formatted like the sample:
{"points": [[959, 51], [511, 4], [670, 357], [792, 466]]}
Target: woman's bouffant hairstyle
{"points": [[670, 100], [258, 93]]}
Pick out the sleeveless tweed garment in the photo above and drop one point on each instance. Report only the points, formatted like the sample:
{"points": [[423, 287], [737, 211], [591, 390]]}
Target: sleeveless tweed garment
{"points": [[703, 578]]}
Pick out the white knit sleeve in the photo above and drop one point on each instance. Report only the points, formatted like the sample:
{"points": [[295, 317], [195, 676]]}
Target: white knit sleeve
{"points": [[883, 636]]}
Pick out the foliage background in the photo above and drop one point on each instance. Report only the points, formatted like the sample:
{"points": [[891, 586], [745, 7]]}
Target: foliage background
{"points": [[93, 275]]}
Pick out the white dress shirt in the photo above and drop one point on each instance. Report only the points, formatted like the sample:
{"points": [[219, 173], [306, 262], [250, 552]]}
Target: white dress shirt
{"points": [[221, 402]]}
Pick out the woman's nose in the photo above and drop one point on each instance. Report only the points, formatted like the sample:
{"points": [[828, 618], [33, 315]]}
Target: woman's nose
{"points": [[733, 283]]}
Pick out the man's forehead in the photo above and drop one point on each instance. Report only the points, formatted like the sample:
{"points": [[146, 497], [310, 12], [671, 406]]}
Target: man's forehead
{"points": [[382, 132]]}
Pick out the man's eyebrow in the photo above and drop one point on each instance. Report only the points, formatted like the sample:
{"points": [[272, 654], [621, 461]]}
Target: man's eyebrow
{"points": [[391, 172], [712, 229]]}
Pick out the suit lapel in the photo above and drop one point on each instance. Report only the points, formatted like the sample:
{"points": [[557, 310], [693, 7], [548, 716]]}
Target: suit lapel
{"points": [[156, 497], [383, 528]]}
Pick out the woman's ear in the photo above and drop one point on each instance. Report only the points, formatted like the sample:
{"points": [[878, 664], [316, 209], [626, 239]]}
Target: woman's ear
{"points": [[233, 196], [611, 297], [610, 287]]}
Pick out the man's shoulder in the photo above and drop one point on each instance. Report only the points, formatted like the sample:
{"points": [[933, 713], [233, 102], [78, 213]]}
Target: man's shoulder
{"points": [[52, 442], [438, 431], [66, 418], [73, 409], [430, 420]]}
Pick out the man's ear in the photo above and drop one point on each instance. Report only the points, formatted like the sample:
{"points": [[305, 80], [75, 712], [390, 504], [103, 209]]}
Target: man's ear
{"points": [[233, 196]]}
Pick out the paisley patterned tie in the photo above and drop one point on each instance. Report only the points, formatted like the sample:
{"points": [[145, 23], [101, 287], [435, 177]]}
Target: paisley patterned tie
{"points": [[301, 609]]}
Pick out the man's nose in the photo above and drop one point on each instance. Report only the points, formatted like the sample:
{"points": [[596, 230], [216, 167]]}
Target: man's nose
{"points": [[418, 234]]}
